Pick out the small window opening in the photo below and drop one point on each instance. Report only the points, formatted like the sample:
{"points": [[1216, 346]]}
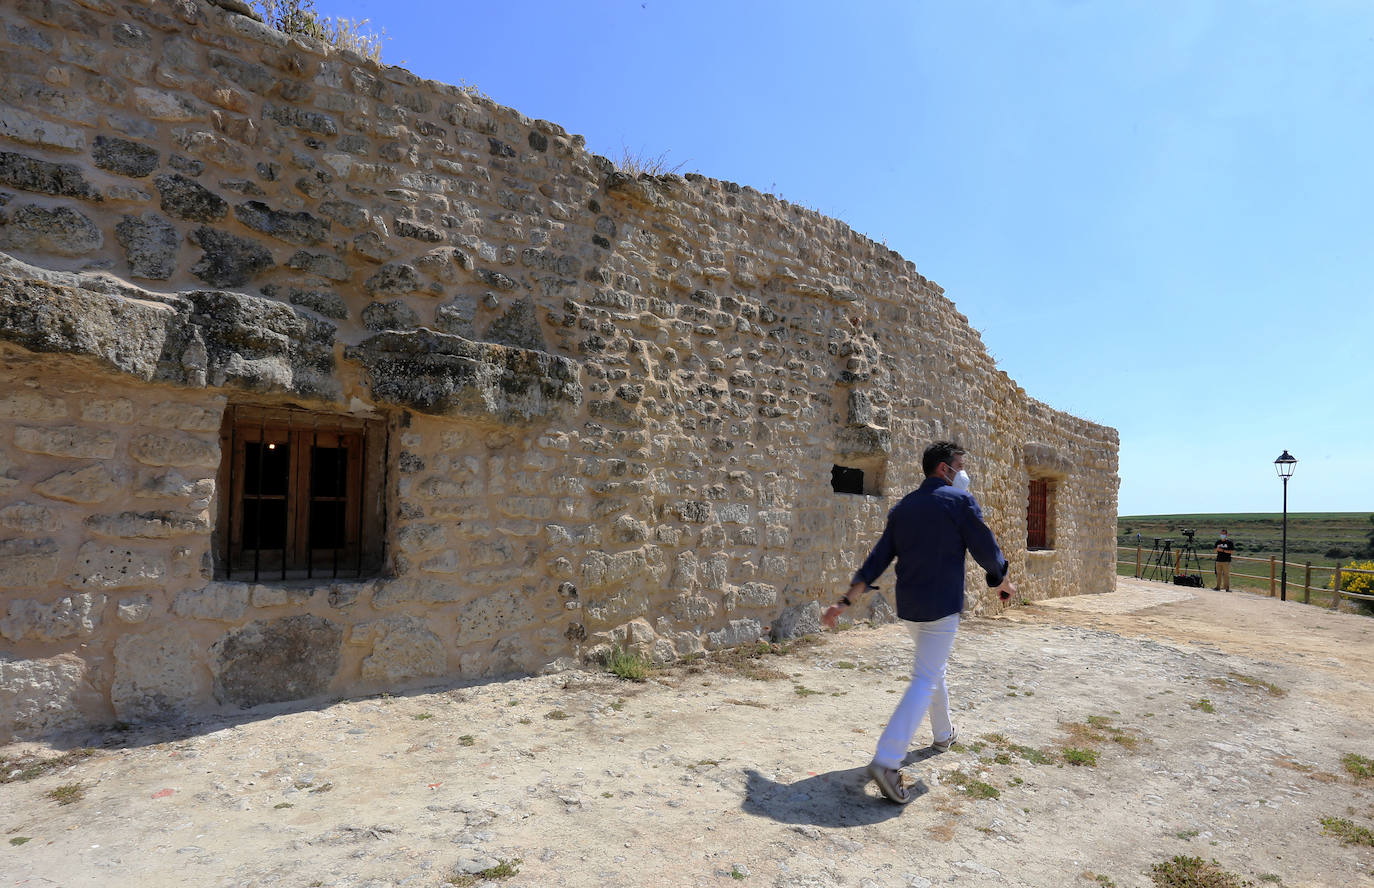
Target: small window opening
{"points": [[863, 477], [302, 495], [846, 479], [1038, 512]]}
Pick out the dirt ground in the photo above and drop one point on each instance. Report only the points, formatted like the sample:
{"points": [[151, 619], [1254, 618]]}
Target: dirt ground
{"points": [[1219, 722]]}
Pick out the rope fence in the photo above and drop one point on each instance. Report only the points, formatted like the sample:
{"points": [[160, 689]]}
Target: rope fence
{"points": [[1154, 561]]}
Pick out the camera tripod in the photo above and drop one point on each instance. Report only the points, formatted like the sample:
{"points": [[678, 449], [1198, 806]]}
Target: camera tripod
{"points": [[1160, 564], [1189, 568]]}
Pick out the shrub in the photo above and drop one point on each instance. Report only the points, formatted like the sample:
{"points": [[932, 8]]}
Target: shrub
{"points": [[1359, 583], [300, 17], [626, 664]]}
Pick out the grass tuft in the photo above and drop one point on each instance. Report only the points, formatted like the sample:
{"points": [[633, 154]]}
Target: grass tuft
{"points": [[29, 768], [1348, 832], [1082, 757], [503, 870], [1193, 872], [1358, 766], [68, 793], [627, 664], [1204, 705]]}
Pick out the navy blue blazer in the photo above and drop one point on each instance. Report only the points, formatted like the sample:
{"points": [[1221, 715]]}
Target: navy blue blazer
{"points": [[928, 533]]}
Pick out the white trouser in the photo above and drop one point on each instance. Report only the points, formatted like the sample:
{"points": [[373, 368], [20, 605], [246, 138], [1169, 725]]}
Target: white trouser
{"points": [[927, 691]]}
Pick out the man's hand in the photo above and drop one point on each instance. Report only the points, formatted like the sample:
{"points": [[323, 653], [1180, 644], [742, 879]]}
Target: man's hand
{"points": [[1007, 589], [832, 613]]}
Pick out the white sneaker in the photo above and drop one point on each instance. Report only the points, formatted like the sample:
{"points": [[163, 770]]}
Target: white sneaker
{"points": [[945, 744]]}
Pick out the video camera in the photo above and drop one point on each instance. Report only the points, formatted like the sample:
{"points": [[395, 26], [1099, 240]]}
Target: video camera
{"points": [[1188, 533]]}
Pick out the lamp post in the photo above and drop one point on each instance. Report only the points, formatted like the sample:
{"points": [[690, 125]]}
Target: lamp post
{"points": [[1285, 465]]}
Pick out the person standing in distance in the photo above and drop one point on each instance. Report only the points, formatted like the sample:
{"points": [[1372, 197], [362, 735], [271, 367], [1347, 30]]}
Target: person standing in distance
{"points": [[1224, 548], [928, 532]]}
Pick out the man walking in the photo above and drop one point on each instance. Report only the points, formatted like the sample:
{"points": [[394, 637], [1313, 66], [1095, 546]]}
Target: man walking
{"points": [[1224, 548], [928, 533]]}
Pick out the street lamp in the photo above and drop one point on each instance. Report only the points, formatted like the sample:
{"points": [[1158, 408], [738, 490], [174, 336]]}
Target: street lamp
{"points": [[1285, 465]]}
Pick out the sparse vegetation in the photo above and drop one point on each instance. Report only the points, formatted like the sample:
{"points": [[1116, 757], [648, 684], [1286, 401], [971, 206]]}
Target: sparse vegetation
{"points": [[299, 18], [1250, 681], [557, 715], [19, 840], [1193, 872], [639, 164], [627, 664], [972, 786], [1081, 757], [68, 793], [28, 768], [1347, 831], [1358, 766], [421, 716], [467, 740], [503, 870], [1204, 705]]}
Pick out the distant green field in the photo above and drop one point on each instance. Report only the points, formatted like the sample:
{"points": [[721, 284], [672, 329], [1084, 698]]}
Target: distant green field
{"points": [[1323, 539]]}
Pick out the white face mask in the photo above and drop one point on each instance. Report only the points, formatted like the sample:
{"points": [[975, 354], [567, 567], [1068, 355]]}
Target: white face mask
{"points": [[962, 480]]}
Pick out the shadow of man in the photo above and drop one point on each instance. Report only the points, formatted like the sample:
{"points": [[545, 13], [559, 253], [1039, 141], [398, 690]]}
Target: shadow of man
{"points": [[835, 798]]}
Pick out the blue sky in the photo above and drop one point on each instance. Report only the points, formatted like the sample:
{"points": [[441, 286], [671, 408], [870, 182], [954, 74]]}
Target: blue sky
{"points": [[1159, 215]]}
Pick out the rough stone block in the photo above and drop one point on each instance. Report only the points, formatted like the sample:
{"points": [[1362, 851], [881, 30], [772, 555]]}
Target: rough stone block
{"points": [[29, 518], [402, 648], [158, 675], [393, 315], [448, 375], [229, 260], [150, 245], [74, 442], [149, 525], [188, 199], [116, 567], [491, 615], [45, 177], [187, 417], [296, 228], [31, 406], [225, 602], [322, 264], [331, 305], [158, 105], [168, 450], [134, 609], [92, 484], [21, 126], [796, 621], [43, 696], [280, 596], [116, 410], [395, 279], [122, 156], [33, 620], [518, 327], [273, 661], [59, 230], [738, 632]]}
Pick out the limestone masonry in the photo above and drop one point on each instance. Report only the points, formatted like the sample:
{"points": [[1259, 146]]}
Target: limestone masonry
{"points": [[317, 378]]}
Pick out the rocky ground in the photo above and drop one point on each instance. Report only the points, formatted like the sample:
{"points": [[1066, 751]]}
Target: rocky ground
{"points": [[1221, 728]]}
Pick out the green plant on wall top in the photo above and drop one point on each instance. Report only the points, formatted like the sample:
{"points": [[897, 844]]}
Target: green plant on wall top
{"points": [[300, 17]]}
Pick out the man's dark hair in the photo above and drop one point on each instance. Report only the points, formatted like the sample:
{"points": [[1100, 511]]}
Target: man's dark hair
{"points": [[939, 452]]}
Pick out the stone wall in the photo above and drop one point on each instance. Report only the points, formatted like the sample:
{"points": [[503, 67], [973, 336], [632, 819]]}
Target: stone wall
{"points": [[610, 405]]}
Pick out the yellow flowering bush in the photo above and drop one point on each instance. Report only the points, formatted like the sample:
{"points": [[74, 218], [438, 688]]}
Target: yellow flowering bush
{"points": [[1359, 583]]}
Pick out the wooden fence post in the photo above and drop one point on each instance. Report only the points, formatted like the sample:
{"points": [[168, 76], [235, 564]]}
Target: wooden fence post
{"points": [[1272, 590], [1137, 561], [1178, 559], [1336, 590], [1307, 585]]}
